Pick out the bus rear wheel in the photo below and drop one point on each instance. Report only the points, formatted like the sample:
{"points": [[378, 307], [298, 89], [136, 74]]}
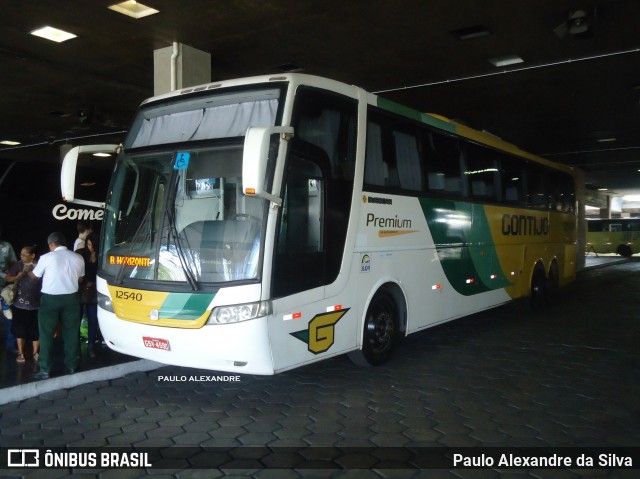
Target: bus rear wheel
{"points": [[624, 250], [538, 289], [553, 283], [380, 329]]}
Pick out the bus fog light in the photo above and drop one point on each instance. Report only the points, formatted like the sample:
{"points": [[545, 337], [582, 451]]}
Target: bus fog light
{"points": [[105, 303], [239, 312]]}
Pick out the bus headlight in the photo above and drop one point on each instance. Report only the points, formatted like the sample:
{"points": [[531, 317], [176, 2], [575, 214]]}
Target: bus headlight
{"points": [[104, 302], [239, 312]]}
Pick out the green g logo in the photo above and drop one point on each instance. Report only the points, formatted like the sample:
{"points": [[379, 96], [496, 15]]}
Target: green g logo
{"points": [[320, 334]]}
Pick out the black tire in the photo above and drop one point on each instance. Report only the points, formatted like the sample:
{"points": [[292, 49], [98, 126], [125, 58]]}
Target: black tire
{"points": [[539, 289], [380, 329], [553, 284], [624, 250]]}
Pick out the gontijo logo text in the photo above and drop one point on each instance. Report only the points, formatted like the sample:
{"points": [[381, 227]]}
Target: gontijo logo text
{"points": [[521, 225]]}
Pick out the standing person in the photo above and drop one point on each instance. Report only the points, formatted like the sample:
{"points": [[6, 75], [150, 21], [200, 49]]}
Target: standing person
{"points": [[26, 302], [61, 271], [88, 289], [84, 230], [7, 258]]}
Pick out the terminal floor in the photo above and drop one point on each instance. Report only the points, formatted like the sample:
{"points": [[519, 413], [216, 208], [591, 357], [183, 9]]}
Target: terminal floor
{"points": [[15, 374], [567, 376]]}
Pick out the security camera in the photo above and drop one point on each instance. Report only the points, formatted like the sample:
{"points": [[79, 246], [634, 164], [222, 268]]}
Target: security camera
{"points": [[578, 22]]}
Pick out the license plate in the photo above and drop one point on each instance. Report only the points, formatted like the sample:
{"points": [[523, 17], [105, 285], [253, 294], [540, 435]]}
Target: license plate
{"points": [[156, 343]]}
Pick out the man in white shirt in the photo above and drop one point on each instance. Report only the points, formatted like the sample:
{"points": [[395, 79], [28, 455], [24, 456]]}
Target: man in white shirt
{"points": [[61, 270]]}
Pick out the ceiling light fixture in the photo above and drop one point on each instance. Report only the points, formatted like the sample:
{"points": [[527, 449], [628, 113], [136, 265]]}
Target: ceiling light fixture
{"points": [[133, 9], [9, 142], [102, 155], [53, 34], [506, 60], [603, 189], [606, 140]]}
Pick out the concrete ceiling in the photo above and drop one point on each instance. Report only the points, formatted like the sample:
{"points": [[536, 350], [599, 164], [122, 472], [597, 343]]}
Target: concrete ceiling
{"points": [[568, 93]]}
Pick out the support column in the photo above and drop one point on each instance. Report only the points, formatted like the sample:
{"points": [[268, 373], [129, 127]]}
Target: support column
{"points": [[581, 235], [179, 66]]}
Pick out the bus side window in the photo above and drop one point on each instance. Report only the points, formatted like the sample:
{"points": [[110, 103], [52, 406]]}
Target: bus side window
{"points": [[327, 124], [442, 162], [567, 193], [408, 161], [376, 171], [483, 172], [328, 121], [536, 187], [511, 181], [299, 263]]}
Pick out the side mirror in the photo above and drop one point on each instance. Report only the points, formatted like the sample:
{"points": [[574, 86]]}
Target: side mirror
{"points": [[69, 167], [256, 157]]}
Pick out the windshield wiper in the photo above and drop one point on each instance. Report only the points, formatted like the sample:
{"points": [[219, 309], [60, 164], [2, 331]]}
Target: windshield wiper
{"points": [[145, 219], [178, 243]]}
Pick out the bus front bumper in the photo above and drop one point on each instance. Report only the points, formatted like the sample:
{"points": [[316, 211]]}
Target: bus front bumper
{"points": [[241, 348]]}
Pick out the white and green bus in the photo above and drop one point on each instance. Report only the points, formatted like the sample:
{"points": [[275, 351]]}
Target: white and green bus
{"points": [[261, 224], [613, 236]]}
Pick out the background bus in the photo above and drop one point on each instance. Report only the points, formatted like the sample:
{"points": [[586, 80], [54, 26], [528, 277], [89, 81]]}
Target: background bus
{"points": [[260, 224], [615, 235], [32, 207]]}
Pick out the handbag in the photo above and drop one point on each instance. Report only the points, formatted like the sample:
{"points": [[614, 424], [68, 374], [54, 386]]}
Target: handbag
{"points": [[8, 293], [89, 295]]}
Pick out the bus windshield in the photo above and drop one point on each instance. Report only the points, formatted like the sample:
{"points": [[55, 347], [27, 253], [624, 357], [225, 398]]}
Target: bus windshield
{"points": [[176, 212], [180, 216]]}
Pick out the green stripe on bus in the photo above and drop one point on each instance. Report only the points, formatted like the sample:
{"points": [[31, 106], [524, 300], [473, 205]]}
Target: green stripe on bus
{"points": [[468, 258], [188, 306], [415, 114], [483, 251]]}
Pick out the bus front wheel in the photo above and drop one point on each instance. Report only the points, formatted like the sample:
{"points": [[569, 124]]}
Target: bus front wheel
{"points": [[380, 329]]}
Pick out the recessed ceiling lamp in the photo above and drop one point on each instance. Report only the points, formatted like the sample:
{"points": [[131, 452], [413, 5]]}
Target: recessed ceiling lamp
{"points": [[603, 189], [102, 155], [9, 142], [505, 61], [133, 9], [53, 34]]}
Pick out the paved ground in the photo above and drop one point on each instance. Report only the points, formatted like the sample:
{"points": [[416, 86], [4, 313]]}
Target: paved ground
{"points": [[566, 377]]}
